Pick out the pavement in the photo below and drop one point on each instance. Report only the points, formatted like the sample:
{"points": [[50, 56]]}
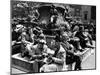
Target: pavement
{"points": [[90, 62], [16, 71]]}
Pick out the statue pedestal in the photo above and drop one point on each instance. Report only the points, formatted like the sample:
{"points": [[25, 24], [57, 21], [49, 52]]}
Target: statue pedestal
{"points": [[23, 64]]}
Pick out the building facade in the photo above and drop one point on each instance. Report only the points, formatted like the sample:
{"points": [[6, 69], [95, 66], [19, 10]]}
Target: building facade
{"points": [[85, 12]]}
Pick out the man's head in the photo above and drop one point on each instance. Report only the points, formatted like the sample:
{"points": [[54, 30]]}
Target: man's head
{"points": [[62, 29], [41, 43]]}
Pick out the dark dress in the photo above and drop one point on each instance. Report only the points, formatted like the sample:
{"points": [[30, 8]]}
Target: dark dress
{"points": [[82, 39], [16, 47]]}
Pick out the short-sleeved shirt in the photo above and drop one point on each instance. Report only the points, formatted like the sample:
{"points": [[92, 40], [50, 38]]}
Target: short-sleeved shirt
{"points": [[61, 53]]}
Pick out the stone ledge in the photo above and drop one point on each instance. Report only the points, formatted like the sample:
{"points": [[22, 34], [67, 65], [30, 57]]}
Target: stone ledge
{"points": [[23, 64]]}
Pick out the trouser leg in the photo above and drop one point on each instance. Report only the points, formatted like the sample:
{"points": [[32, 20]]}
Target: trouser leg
{"points": [[69, 62], [40, 64], [78, 63]]}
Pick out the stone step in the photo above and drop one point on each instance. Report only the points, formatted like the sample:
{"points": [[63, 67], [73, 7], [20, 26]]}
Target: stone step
{"points": [[23, 64]]}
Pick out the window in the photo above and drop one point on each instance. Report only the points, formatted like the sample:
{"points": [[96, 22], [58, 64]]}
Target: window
{"points": [[85, 16]]}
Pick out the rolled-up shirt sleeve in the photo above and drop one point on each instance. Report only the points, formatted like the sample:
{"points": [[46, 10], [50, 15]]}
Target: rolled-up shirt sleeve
{"points": [[60, 57]]}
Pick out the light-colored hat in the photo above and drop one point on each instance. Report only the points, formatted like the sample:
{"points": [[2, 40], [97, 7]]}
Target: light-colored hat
{"points": [[18, 27], [76, 28], [42, 41], [41, 36]]}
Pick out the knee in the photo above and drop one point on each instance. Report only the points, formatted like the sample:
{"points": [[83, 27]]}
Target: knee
{"points": [[42, 69]]}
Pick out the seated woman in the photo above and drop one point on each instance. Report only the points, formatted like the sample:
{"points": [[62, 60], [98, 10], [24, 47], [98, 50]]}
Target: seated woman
{"points": [[85, 39], [16, 40]]}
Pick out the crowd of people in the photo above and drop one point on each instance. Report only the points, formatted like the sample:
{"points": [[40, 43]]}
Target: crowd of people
{"points": [[68, 42]]}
